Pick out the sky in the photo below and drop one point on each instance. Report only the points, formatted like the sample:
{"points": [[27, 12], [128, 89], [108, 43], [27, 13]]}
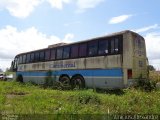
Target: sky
{"points": [[27, 25]]}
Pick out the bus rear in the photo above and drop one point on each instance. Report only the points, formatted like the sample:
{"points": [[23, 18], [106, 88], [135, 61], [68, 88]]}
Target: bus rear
{"points": [[134, 58]]}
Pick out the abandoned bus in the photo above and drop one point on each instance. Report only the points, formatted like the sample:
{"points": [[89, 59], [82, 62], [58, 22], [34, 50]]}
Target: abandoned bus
{"points": [[109, 62]]}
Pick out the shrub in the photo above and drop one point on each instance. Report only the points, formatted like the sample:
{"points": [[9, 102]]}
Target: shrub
{"points": [[145, 84], [50, 81]]}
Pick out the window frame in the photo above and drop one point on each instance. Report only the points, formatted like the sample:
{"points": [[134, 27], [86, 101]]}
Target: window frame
{"points": [[90, 45], [68, 57], [28, 59], [32, 57], [61, 57], [79, 51], [107, 46], [47, 57], [120, 45], [41, 58], [24, 57], [73, 50], [51, 57], [37, 55], [20, 59]]}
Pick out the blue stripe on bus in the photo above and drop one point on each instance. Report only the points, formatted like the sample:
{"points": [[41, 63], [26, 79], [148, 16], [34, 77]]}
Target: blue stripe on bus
{"points": [[98, 72]]}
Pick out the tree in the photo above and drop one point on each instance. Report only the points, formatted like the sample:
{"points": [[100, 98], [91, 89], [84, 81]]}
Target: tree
{"points": [[151, 68]]}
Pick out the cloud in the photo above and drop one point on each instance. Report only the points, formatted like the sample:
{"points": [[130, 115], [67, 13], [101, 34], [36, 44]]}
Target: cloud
{"points": [[86, 4], [72, 23], [119, 19], [23, 8], [153, 49], [155, 26], [19, 8], [58, 3], [14, 42]]}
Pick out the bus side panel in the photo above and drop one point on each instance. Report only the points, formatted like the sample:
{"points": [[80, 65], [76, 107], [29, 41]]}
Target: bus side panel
{"points": [[106, 79], [37, 77]]}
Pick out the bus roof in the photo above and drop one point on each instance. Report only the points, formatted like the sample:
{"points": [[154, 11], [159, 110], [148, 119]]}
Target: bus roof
{"points": [[65, 44]]}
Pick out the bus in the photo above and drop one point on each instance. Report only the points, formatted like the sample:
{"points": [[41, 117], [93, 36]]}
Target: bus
{"points": [[112, 61]]}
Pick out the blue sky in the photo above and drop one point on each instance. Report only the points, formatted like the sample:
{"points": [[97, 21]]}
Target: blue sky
{"points": [[32, 24]]}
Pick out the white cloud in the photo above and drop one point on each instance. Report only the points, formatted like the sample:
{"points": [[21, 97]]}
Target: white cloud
{"points": [[72, 23], [85, 4], [147, 28], [153, 49], [58, 3], [119, 19], [23, 8], [14, 42], [19, 8]]}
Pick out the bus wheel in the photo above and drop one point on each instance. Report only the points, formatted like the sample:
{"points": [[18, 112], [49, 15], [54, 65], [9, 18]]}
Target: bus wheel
{"points": [[78, 82], [65, 82], [19, 78]]}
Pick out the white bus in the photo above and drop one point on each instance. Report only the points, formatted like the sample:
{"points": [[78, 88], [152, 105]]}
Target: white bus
{"points": [[113, 61]]}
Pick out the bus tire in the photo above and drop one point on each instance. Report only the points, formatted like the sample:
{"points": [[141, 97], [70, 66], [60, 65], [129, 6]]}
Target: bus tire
{"points": [[65, 82], [19, 78], [78, 82]]}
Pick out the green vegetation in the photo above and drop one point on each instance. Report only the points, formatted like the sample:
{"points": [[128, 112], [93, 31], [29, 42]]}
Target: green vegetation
{"points": [[21, 98], [154, 76], [42, 102]]}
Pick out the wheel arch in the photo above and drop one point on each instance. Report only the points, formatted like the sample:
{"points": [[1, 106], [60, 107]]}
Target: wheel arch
{"points": [[62, 75], [19, 78]]}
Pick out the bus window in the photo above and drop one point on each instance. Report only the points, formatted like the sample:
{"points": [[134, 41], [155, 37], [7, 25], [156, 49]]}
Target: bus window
{"points": [[32, 57], [103, 47], [59, 53], [83, 50], [47, 55], [92, 48], [66, 52], [74, 51], [41, 56], [20, 59], [28, 58], [37, 56], [53, 54], [114, 45], [24, 59], [15, 63]]}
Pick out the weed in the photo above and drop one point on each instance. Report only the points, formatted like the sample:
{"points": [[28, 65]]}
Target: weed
{"points": [[88, 98]]}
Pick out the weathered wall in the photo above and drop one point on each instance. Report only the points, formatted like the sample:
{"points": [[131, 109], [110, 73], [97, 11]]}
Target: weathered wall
{"points": [[102, 62]]}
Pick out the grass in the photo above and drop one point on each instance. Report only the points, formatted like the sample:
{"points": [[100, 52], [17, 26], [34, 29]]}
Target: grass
{"points": [[17, 98]]}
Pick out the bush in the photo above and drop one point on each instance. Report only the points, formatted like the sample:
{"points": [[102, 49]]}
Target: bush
{"points": [[145, 84], [50, 81], [19, 78]]}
